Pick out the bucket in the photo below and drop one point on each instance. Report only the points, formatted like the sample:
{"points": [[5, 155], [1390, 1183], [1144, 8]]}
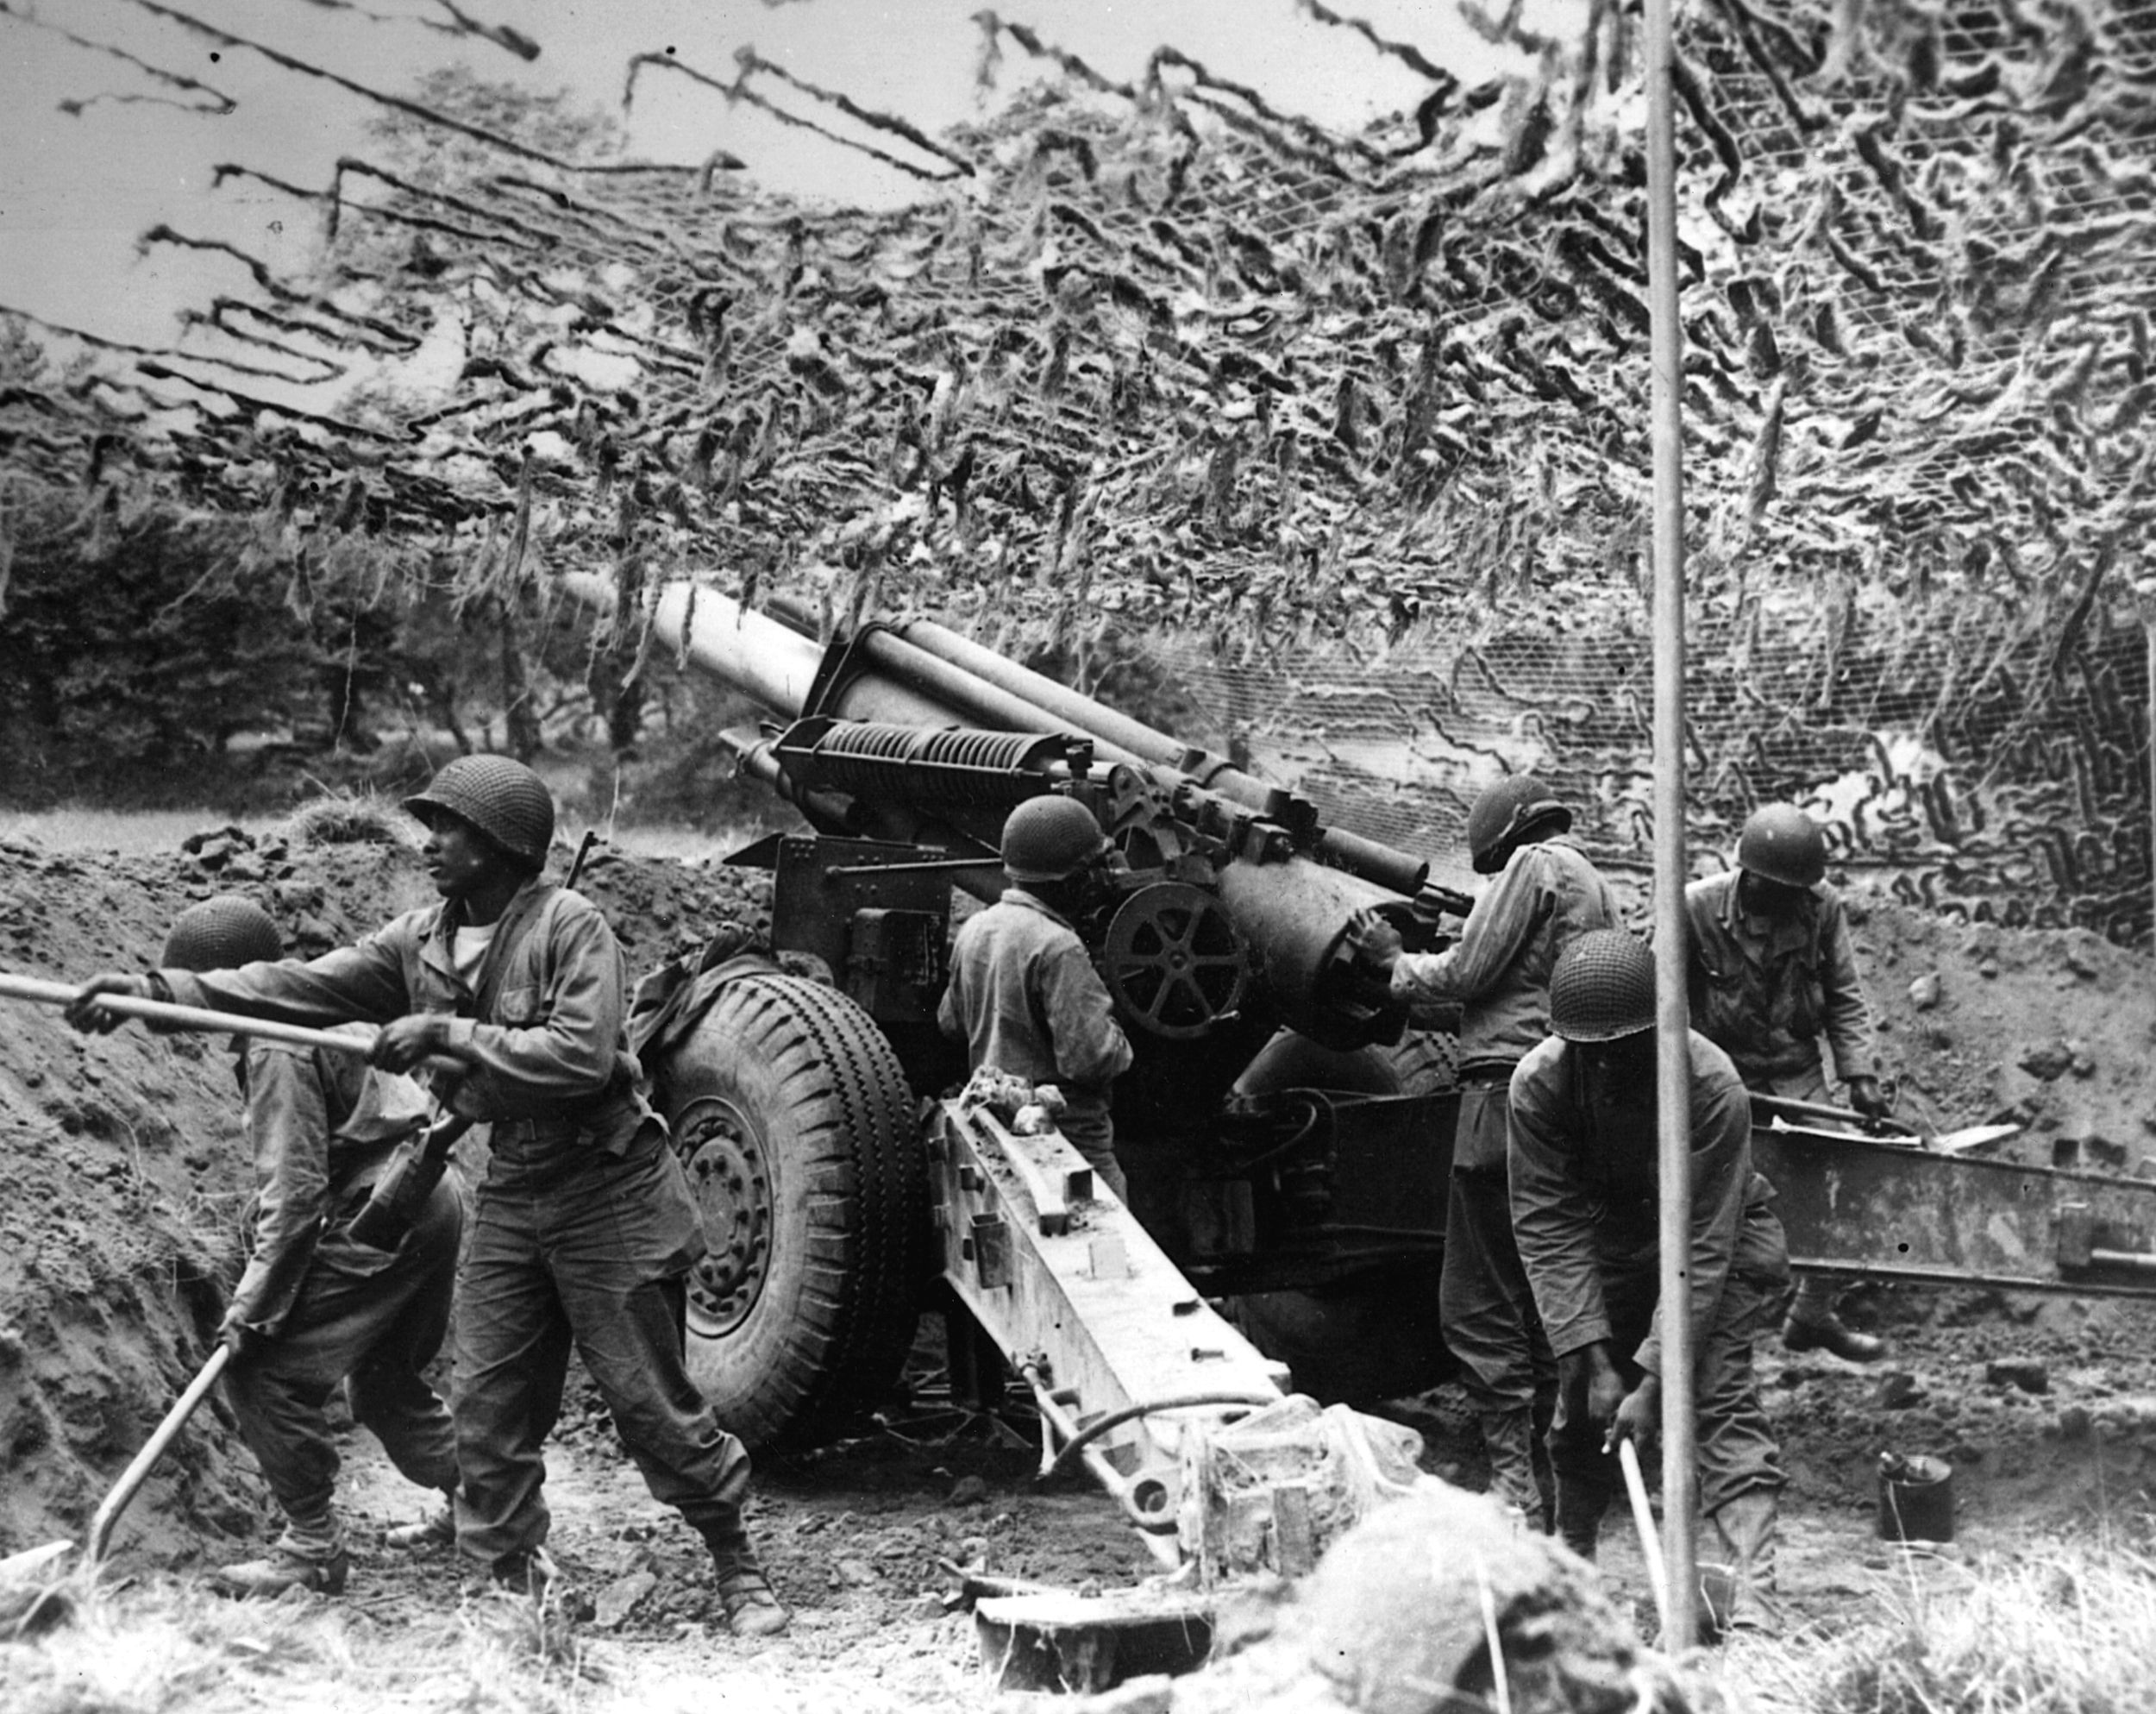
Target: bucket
{"points": [[1917, 1498]]}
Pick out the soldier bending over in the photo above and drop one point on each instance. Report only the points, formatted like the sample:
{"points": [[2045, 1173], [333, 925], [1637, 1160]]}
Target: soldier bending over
{"points": [[313, 1309], [1585, 1205]]}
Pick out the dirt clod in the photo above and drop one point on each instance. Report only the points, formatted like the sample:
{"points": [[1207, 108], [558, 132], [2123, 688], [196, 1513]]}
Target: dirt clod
{"points": [[2048, 1062], [2027, 1373]]}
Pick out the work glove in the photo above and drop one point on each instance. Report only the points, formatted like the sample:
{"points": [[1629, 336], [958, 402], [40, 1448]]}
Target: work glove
{"points": [[1864, 1096]]}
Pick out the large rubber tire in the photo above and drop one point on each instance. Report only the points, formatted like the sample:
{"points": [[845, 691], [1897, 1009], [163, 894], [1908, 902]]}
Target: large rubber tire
{"points": [[794, 1120], [1377, 1336]]}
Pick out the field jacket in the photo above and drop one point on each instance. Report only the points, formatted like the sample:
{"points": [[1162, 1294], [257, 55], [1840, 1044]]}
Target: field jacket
{"points": [[1585, 1188], [541, 1027], [1025, 999], [1499, 969], [320, 1125], [1765, 990]]}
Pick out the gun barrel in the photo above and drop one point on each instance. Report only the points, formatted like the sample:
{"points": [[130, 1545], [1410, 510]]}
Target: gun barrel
{"points": [[919, 673]]}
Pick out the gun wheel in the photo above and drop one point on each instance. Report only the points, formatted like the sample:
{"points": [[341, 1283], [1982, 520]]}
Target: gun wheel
{"points": [[796, 1128]]}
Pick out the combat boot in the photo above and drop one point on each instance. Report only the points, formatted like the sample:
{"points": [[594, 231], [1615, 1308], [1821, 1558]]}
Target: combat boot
{"points": [[314, 1559], [744, 1592], [1825, 1331]]}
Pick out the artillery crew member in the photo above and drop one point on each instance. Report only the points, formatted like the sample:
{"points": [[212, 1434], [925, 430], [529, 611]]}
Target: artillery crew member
{"points": [[583, 1227], [1545, 894], [313, 1308], [1773, 969], [1024, 996], [1585, 1206]]}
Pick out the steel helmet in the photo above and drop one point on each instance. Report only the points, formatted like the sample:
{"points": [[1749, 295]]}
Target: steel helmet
{"points": [[1781, 842], [504, 799], [220, 934], [1602, 987], [1051, 839], [1505, 810]]}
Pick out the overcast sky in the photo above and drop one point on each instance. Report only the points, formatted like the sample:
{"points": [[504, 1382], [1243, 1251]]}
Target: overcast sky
{"points": [[96, 148]]}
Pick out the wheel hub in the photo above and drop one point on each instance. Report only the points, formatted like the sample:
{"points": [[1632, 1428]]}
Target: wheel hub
{"points": [[730, 1180]]}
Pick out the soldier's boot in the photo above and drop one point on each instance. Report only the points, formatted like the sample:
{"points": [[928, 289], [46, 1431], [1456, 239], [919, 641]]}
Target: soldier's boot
{"points": [[1580, 1509], [312, 1555], [1812, 1325], [752, 1608], [1738, 1586]]}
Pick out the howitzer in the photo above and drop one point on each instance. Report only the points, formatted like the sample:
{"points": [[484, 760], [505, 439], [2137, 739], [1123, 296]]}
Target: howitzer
{"points": [[1285, 1132]]}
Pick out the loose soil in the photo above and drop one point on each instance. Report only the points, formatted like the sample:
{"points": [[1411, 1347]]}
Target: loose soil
{"points": [[121, 1175]]}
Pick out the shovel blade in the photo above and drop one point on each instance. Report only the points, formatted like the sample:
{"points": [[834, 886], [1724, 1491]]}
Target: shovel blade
{"points": [[33, 1562], [1971, 1137]]}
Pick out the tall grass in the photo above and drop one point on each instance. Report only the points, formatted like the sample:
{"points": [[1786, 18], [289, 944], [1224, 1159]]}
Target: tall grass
{"points": [[168, 1648], [2063, 1632]]}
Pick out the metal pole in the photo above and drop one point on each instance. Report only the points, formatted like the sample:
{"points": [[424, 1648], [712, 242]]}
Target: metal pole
{"points": [[1673, 1070]]}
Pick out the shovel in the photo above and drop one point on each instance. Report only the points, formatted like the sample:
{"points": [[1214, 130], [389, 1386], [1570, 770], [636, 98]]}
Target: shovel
{"points": [[50, 1603], [1848, 1121]]}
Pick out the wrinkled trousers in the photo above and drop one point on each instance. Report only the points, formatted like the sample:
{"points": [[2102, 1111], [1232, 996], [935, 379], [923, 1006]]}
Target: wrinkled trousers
{"points": [[374, 1320], [594, 1257], [1488, 1314], [1814, 1299], [1735, 1447]]}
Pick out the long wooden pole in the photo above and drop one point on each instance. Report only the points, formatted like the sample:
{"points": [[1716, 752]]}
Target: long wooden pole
{"points": [[186, 1017], [1673, 1066], [41, 992]]}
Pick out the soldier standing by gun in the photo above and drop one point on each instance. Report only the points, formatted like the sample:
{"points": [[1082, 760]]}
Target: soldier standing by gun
{"points": [[314, 1308], [1024, 996], [1545, 894], [583, 1227], [1773, 969], [1586, 1205]]}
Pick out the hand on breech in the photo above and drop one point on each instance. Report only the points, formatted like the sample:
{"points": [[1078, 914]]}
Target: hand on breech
{"points": [[87, 1015], [404, 1042], [1376, 942]]}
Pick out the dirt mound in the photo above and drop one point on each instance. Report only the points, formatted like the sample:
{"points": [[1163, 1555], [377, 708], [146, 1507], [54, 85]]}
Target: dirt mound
{"points": [[1398, 1617], [122, 1174]]}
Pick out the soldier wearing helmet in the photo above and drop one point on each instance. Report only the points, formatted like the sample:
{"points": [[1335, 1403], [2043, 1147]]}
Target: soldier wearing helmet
{"points": [[313, 1309], [1585, 1199], [1024, 996], [1773, 969], [1545, 894], [584, 1230]]}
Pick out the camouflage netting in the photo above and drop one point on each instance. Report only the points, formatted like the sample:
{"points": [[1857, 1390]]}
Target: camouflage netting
{"points": [[1353, 427]]}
